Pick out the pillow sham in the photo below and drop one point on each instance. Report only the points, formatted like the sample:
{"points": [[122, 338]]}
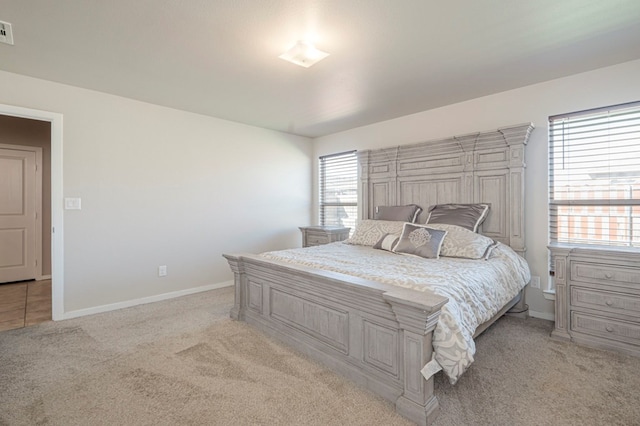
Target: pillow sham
{"points": [[420, 240], [368, 232], [461, 242], [468, 216], [408, 213], [387, 242]]}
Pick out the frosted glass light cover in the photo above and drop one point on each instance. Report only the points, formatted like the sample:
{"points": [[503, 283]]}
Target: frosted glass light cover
{"points": [[304, 54]]}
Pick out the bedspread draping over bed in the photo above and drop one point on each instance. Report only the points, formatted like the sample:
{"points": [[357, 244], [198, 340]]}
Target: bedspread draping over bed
{"points": [[477, 289]]}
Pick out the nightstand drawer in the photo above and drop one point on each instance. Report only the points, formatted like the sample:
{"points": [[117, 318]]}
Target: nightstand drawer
{"points": [[601, 273], [316, 240], [622, 331], [625, 304], [319, 235]]}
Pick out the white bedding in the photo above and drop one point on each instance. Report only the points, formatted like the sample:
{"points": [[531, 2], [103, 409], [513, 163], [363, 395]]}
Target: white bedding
{"points": [[477, 289]]}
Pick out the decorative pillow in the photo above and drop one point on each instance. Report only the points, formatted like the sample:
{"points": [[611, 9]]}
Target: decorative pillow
{"points": [[407, 213], [368, 232], [387, 242], [490, 249], [461, 242], [420, 240], [468, 216]]}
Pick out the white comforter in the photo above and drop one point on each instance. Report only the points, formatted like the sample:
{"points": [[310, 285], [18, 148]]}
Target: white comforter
{"points": [[477, 289]]}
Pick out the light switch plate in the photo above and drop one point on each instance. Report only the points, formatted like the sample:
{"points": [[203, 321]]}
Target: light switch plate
{"points": [[73, 204], [6, 34]]}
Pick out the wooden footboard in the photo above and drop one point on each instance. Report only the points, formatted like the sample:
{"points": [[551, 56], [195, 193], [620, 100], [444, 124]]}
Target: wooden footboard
{"points": [[376, 335]]}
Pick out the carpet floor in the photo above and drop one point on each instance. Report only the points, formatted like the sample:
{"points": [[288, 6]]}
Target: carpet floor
{"points": [[183, 362]]}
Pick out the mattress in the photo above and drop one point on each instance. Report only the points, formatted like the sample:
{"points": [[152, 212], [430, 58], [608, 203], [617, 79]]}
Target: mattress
{"points": [[477, 289]]}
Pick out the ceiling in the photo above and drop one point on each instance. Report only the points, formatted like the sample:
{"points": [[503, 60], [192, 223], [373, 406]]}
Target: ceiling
{"points": [[388, 58]]}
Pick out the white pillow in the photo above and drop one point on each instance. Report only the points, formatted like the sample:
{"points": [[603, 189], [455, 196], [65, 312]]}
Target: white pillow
{"points": [[461, 242], [368, 232]]}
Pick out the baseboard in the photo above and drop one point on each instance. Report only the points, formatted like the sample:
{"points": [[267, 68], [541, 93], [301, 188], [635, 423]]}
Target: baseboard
{"points": [[144, 300], [542, 315]]}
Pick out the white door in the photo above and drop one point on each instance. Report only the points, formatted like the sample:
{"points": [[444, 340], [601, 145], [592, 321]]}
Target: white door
{"points": [[17, 215]]}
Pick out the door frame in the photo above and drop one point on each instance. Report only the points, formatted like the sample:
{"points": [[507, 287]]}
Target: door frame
{"points": [[57, 212], [38, 201]]}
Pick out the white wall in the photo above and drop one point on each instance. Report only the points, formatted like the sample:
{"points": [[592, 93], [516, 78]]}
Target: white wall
{"points": [[164, 187], [606, 86]]}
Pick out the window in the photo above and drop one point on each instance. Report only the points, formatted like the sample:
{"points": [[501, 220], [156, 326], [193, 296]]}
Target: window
{"points": [[339, 189], [594, 177]]}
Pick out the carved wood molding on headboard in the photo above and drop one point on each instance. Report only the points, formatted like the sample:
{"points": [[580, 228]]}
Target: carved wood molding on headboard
{"points": [[483, 167]]}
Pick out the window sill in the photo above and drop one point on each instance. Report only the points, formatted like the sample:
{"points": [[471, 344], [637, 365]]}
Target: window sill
{"points": [[549, 294], [594, 248]]}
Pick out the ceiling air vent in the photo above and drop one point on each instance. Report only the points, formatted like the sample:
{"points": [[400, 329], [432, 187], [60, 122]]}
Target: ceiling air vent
{"points": [[6, 36]]}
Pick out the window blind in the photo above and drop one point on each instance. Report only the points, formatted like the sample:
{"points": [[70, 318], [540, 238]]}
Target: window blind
{"points": [[594, 177], [339, 189]]}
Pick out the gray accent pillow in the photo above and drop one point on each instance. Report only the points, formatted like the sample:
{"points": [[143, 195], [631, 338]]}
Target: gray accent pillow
{"points": [[468, 216], [408, 213], [387, 242], [420, 240]]}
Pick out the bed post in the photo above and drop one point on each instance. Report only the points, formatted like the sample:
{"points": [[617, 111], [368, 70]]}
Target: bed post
{"points": [[237, 312], [417, 321]]}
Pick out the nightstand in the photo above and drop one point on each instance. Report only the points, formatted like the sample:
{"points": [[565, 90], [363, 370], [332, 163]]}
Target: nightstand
{"points": [[318, 235]]}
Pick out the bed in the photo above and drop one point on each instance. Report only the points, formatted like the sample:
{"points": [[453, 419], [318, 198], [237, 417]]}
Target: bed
{"points": [[380, 332]]}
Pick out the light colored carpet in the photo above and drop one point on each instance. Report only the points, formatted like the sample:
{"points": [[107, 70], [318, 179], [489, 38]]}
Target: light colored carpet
{"points": [[183, 361]]}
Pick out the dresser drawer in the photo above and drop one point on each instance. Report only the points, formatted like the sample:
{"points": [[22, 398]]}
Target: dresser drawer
{"points": [[602, 273], [608, 328], [625, 304]]}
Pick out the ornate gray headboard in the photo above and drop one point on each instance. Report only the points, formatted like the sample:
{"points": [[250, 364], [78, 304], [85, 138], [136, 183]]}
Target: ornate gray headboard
{"points": [[484, 167]]}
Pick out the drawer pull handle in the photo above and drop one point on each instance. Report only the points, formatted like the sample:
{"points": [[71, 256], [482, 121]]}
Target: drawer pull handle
{"points": [[609, 328], [608, 275], [608, 303]]}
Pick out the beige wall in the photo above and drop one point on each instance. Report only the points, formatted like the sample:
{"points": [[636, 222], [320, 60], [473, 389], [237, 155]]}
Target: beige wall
{"points": [[167, 187], [23, 132], [164, 187], [606, 86]]}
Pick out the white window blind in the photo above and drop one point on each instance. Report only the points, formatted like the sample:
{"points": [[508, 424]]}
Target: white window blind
{"points": [[339, 189], [594, 177]]}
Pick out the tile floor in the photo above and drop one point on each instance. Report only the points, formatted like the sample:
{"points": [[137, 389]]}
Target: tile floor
{"points": [[24, 303]]}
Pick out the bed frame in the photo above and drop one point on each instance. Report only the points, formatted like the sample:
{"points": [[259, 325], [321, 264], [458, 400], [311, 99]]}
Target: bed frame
{"points": [[375, 334]]}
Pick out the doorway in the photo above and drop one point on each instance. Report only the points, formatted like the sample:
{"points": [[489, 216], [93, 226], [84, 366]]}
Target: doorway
{"points": [[56, 229]]}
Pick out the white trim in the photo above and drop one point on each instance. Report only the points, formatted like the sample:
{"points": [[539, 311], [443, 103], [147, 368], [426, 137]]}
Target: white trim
{"points": [[542, 315], [144, 300], [57, 214]]}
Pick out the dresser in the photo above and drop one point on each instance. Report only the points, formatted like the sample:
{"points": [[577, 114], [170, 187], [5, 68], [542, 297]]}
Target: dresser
{"points": [[318, 235], [597, 297]]}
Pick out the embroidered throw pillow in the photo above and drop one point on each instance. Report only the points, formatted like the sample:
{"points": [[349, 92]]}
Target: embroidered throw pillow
{"points": [[420, 240]]}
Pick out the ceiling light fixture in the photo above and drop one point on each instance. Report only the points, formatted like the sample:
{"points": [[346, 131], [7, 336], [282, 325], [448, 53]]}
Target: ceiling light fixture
{"points": [[304, 54]]}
